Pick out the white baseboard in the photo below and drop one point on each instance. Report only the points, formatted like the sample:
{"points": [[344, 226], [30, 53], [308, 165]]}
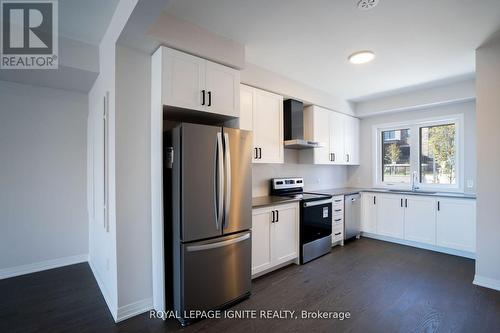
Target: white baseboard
{"points": [[111, 305], [486, 282], [134, 309], [6, 273], [459, 253]]}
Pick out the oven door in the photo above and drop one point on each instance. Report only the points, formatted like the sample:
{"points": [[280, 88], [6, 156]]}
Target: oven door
{"points": [[316, 220]]}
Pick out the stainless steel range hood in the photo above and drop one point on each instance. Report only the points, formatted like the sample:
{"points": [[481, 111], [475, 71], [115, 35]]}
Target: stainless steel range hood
{"points": [[293, 129]]}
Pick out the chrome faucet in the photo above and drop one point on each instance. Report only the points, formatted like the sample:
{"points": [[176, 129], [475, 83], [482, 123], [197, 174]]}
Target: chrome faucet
{"points": [[414, 181]]}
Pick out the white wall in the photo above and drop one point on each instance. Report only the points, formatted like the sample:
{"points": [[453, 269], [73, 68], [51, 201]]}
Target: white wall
{"points": [[316, 177], [362, 176], [488, 159], [102, 241], [262, 78], [185, 36], [133, 203], [417, 98], [42, 177]]}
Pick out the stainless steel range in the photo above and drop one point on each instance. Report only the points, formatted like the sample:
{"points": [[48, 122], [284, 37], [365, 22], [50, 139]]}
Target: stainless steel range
{"points": [[315, 217]]}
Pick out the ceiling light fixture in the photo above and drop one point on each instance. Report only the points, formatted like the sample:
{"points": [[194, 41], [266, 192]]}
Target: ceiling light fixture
{"points": [[361, 57], [367, 4]]}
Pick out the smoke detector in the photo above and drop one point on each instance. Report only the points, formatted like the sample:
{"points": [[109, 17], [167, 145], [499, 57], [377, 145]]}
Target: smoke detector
{"points": [[367, 4]]}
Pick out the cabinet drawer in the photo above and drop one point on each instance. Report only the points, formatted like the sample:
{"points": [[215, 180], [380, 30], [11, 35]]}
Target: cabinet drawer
{"points": [[338, 220], [337, 233], [338, 199]]}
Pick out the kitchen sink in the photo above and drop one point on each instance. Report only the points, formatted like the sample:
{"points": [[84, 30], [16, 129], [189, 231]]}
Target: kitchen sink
{"points": [[413, 192]]}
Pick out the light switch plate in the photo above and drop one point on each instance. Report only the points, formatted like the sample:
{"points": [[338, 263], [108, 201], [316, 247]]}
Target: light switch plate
{"points": [[470, 183]]}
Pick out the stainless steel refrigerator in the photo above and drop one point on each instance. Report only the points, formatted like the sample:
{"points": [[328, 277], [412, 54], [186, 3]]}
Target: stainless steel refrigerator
{"points": [[210, 214]]}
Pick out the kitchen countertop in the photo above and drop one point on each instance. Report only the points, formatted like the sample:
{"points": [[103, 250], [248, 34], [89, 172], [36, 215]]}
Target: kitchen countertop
{"points": [[270, 200], [276, 200], [424, 193], [339, 191]]}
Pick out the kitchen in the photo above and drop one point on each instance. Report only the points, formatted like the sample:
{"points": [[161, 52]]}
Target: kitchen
{"points": [[239, 180]]}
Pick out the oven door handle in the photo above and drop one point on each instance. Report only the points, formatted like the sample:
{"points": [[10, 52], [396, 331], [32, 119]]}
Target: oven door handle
{"points": [[317, 202]]}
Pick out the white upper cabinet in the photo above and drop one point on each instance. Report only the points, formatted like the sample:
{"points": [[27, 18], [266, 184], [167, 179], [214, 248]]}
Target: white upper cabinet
{"points": [[317, 128], [456, 224], [193, 83], [223, 89], [183, 80], [337, 132], [337, 137], [262, 112], [246, 107], [351, 143]]}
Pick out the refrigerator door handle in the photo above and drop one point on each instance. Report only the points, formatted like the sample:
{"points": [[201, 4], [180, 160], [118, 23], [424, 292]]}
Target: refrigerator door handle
{"points": [[194, 248], [227, 156], [220, 179]]}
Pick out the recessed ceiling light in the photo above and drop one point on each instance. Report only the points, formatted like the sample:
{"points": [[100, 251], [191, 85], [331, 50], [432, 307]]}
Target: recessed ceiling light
{"points": [[361, 57], [367, 4]]}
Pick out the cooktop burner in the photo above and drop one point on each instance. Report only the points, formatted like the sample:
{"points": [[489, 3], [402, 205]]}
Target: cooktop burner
{"points": [[307, 196], [294, 188]]}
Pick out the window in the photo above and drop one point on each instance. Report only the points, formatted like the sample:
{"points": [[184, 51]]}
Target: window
{"points": [[428, 150], [396, 156], [437, 154]]}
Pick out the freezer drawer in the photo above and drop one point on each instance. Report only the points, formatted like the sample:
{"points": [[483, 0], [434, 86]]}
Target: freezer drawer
{"points": [[215, 272]]}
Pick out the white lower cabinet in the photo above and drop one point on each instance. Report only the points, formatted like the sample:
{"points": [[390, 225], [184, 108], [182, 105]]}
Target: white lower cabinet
{"points": [[456, 224], [275, 236], [420, 219], [369, 212], [390, 215], [338, 220], [444, 223]]}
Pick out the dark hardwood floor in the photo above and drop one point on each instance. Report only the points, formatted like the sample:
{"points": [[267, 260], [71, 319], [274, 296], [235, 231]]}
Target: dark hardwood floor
{"points": [[385, 287]]}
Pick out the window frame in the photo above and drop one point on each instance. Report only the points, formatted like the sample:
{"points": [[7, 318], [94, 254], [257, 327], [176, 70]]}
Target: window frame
{"points": [[415, 152]]}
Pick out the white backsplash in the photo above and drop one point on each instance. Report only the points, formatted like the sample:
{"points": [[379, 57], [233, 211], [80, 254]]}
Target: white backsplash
{"points": [[316, 177]]}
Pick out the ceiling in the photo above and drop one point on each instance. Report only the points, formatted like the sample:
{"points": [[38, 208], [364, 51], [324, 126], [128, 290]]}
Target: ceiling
{"points": [[85, 21], [415, 41]]}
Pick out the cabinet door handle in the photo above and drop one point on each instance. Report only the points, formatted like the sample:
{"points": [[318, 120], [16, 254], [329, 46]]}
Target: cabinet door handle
{"points": [[203, 97], [255, 153], [260, 153], [277, 215], [333, 155], [338, 234], [336, 220], [401, 202], [338, 200], [209, 98], [439, 206], [273, 216], [347, 157], [406, 203], [374, 200]]}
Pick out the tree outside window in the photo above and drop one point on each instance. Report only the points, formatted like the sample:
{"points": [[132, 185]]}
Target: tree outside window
{"points": [[437, 154]]}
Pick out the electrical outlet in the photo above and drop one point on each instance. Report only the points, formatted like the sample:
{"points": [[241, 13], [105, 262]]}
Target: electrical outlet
{"points": [[470, 183]]}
